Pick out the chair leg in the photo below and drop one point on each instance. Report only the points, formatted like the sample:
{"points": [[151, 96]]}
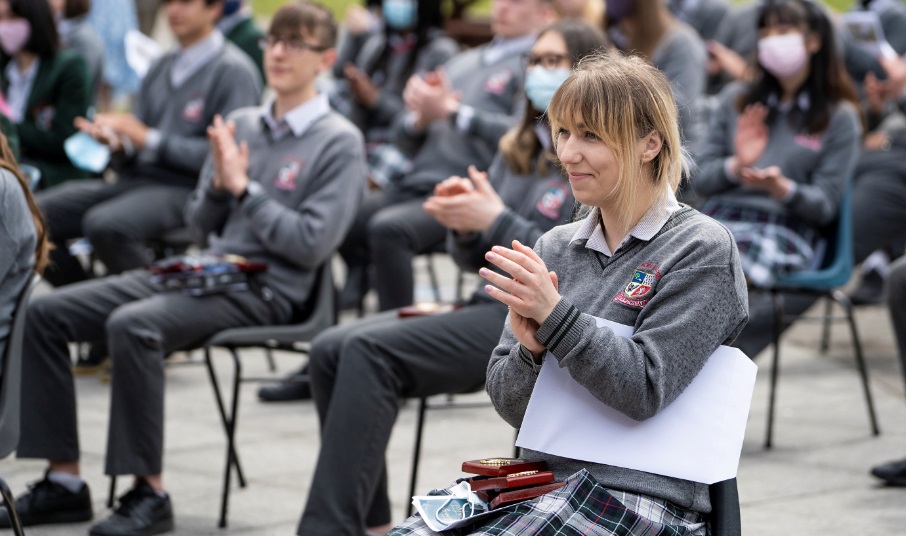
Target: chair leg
{"points": [[775, 366], [847, 305], [271, 364], [10, 504], [111, 493], [825, 332], [229, 423], [460, 282], [416, 451], [432, 275]]}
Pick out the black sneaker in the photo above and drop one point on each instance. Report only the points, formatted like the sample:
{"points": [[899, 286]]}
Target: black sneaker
{"points": [[140, 512], [871, 290], [47, 503], [294, 387]]}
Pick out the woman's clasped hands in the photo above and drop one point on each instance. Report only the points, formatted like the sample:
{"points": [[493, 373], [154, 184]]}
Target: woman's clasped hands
{"points": [[531, 293]]}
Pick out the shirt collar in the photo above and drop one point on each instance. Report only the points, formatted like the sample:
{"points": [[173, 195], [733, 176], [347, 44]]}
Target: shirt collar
{"points": [[13, 74], [190, 59], [500, 48], [299, 119], [651, 223]]}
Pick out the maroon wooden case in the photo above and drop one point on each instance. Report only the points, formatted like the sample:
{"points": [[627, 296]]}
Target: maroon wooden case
{"points": [[512, 496], [501, 466], [517, 480]]}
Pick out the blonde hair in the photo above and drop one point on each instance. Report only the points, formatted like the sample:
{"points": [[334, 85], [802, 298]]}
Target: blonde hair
{"points": [[622, 99]]}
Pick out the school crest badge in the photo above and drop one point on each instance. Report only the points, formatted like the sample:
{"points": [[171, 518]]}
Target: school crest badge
{"points": [[638, 291], [551, 202], [497, 82], [194, 110], [288, 175]]}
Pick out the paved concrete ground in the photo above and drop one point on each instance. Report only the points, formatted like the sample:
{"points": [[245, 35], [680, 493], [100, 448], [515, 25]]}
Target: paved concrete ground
{"points": [[815, 480]]}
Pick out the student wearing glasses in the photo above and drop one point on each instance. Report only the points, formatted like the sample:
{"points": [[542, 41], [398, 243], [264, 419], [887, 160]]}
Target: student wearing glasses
{"points": [[281, 187]]}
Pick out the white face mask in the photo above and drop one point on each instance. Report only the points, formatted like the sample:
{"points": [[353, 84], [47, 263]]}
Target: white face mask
{"points": [[782, 55]]}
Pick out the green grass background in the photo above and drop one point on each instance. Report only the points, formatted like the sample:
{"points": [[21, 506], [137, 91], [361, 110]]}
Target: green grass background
{"points": [[264, 8]]}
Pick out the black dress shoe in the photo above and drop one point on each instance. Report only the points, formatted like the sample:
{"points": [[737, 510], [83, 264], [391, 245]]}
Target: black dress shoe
{"points": [[140, 512], [892, 473], [292, 388], [47, 503]]}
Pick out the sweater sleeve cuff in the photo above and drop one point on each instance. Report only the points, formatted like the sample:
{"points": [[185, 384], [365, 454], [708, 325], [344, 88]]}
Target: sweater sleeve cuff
{"points": [[529, 359], [562, 330], [219, 196], [255, 199], [498, 229]]}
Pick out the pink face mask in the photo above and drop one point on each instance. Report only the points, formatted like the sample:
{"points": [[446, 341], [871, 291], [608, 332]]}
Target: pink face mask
{"points": [[13, 35], [782, 55]]}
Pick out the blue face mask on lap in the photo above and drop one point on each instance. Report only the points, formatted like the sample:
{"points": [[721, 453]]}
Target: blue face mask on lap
{"points": [[86, 152], [541, 84], [400, 14]]}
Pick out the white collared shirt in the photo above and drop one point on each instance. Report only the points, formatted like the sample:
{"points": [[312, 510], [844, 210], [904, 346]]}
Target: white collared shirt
{"points": [[296, 121], [592, 230], [500, 48], [19, 88], [190, 60]]}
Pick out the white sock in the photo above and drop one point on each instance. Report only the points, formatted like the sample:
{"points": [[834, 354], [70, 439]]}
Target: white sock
{"points": [[71, 482], [877, 261]]}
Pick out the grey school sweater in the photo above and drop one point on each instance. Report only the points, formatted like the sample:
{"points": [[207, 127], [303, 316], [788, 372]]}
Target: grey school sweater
{"points": [[308, 192], [535, 204], [229, 81], [819, 164], [17, 250], [494, 90], [698, 302]]}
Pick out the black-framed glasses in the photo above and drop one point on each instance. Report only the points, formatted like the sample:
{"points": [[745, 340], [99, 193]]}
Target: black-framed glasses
{"points": [[548, 61], [292, 45]]}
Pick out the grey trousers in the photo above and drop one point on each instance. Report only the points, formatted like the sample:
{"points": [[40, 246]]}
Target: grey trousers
{"points": [[390, 229], [142, 328], [117, 218], [359, 373], [896, 300], [879, 221]]}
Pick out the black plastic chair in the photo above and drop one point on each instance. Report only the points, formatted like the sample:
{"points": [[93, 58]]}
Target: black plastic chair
{"points": [[826, 281], [10, 385], [319, 315], [725, 519]]}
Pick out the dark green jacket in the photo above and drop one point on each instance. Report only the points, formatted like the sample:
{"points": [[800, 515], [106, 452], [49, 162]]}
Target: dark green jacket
{"points": [[247, 36], [59, 94]]}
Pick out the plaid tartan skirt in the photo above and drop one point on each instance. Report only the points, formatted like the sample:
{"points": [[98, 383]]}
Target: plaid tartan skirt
{"points": [[580, 508], [770, 245]]}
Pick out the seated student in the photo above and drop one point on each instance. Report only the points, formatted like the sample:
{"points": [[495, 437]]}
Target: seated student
{"points": [[23, 239], [360, 371], [281, 187], [238, 26], [894, 473], [455, 118], [781, 148], [704, 16], [625, 167], [46, 88], [77, 35], [412, 42], [164, 145], [649, 28]]}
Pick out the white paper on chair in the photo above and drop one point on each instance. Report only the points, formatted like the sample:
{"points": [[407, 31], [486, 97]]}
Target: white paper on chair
{"points": [[697, 437]]}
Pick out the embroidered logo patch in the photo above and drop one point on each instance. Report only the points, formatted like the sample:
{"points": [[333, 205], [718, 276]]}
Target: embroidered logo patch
{"points": [[551, 202], [287, 176], [194, 110], [44, 116], [812, 142], [498, 81], [638, 292]]}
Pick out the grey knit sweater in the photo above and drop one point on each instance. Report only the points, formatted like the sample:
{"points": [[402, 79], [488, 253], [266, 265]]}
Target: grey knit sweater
{"points": [[697, 302], [17, 249]]}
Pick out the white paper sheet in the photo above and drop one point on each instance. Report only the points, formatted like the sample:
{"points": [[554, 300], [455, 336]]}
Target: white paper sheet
{"points": [[698, 437]]}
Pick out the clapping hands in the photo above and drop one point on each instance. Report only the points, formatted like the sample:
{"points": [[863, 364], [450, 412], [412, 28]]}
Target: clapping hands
{"points": [[231, 159], [465, 205]]}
